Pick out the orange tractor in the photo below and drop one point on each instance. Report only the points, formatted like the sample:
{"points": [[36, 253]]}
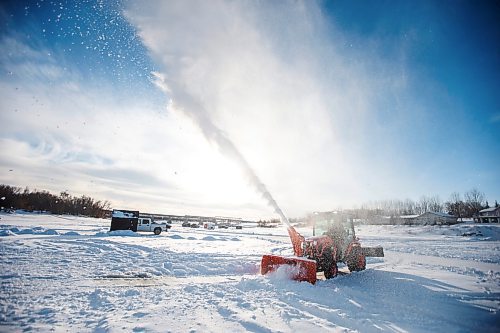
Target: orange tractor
{"points": [[333, 241]]}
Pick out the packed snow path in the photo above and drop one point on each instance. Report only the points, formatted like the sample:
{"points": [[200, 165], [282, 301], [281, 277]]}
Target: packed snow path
{"points": [[70, 274]]}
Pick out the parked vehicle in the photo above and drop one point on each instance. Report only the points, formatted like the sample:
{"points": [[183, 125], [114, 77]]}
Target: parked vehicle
{"points": [[148, 224], [209, 225], [131, 220], [186, 224]]}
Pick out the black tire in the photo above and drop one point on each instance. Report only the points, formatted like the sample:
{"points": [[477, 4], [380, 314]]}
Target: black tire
{"points": [[330, 268], [157, 231], [356, 261]]}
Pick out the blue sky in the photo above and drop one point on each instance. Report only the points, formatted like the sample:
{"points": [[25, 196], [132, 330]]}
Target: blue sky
{"points": [[451, 53], [332, 104]]}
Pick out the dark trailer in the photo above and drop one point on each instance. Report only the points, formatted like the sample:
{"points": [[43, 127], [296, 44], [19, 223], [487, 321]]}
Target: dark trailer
{"points": [[124, 220]]}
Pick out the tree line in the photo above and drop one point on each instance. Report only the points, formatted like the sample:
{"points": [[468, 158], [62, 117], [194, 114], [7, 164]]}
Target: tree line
{"points": [[12, 198], [466, 206]]}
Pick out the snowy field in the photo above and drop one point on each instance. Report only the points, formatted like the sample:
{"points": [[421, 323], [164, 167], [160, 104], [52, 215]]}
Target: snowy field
{"points": [[68, 274]]}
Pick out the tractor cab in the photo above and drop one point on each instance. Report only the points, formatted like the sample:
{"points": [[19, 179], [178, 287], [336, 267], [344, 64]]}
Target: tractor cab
{"points": [[334, 225], [334, 240]]}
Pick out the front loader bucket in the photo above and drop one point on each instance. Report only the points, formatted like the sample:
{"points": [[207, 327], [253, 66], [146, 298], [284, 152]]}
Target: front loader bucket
{"points": [[301, 269]]}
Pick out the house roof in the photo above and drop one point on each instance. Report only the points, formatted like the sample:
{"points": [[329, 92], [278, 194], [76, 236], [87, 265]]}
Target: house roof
{"points": [[441, 214], [487, 210], [408, 216]]}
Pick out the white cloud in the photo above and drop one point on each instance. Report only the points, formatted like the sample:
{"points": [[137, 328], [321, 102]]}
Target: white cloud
{"points": [[61, 133]]}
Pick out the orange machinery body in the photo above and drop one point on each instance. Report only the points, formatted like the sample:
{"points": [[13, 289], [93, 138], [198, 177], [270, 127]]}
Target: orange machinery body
{"points": [[319, 253], [303, 269]]}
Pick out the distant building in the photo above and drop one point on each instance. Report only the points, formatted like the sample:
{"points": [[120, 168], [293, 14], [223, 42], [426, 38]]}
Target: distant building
{"points": [[268, 224], [427, 218], [403, 219], [488, 215], [435, 218]]}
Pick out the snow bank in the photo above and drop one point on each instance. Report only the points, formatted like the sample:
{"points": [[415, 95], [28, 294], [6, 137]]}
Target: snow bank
{"points": [[114, 233], [478, 231], [485, 232], [7, 232], [14, 231], [175, 237]]}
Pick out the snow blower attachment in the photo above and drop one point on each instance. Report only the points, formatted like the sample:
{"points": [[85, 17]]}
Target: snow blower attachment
{"points": [[336, 242], [298, 267]]}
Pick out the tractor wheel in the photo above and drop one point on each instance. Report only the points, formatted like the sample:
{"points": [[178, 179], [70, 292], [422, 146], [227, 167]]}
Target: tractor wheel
{"points": [[329, 264], [356, 261], [331, 270], [157, 231]]}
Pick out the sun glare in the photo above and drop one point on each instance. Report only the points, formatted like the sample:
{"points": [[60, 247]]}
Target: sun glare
{"points": [[218, 179]]}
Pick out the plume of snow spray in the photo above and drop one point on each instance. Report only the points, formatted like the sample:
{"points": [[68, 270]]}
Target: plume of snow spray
{"points": [[189, 106], [222, 56]]}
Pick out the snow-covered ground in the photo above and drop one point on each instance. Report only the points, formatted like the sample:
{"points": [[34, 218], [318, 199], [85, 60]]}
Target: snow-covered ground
{"points": [[63, 273]]}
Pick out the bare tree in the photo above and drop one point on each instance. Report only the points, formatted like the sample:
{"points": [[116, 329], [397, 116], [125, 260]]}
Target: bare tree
{"points": [[456, 206], [423, 205], [409, 207], [474, 200], [13, 198], [435, 204]]}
